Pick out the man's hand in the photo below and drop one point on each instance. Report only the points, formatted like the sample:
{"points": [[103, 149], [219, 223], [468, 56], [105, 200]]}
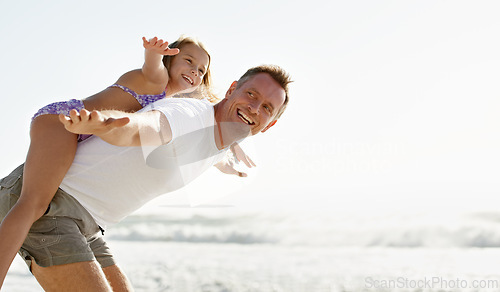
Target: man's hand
{"points": [[227, 167], [240, 155], [95, 122], [158, 46]]}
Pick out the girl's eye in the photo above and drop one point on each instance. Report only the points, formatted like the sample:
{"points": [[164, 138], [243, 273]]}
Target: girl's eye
{"points": [[250, 94], [201, 72], [189, 61]]}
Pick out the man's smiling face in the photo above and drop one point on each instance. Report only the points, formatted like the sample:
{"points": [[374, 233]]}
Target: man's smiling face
{"points": [[254, 103]]}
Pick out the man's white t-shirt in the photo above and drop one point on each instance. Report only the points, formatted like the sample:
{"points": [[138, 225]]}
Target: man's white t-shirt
{"points": [[111, 181]]}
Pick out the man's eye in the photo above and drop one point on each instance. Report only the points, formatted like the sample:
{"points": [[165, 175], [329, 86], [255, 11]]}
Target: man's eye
{"points": [[188, 60]]}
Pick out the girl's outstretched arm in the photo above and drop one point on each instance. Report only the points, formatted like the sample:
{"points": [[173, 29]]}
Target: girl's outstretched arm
{"points": [[153, 68], [50, 155]]}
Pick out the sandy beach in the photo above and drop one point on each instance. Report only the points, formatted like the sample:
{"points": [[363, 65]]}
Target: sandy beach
{"points": [[237, 253], [160, 266]]}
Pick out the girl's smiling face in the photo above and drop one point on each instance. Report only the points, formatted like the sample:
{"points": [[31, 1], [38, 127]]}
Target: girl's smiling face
{"points": [[188, 68]]}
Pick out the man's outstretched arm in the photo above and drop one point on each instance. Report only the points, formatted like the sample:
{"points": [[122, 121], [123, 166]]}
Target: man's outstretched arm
{"points": [[120, 128]]}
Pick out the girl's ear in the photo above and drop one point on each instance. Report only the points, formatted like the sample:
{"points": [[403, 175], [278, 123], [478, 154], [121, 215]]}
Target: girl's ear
{"points": [[269, 126], [231, 88]]}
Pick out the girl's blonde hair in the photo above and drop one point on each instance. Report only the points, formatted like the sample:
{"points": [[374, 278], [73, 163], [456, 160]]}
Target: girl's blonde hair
{"points": [[205, 88]]}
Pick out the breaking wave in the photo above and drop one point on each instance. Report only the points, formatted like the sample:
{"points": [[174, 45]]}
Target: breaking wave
{"points": [[309, 229]]}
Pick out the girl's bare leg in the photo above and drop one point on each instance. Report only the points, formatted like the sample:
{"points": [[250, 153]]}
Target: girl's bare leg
{"points": [[50, 155]]}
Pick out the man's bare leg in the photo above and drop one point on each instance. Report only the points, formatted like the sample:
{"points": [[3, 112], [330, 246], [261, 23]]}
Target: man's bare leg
{"points": [[83, 276], [118, 280]]}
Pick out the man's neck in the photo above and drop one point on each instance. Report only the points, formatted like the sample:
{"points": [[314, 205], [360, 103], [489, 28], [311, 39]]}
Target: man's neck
{"points": [[219, 137], [224, 135]]}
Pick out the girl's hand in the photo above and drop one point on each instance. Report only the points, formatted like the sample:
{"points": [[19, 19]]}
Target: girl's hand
{"points": [[95, 123], [240, 155], [158, 46]]}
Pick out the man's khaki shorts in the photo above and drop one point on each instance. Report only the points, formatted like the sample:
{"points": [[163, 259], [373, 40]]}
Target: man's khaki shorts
{"points": [[66, 234]]}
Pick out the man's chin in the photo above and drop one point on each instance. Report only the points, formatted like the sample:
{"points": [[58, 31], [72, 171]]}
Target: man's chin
{"points": [[238, 130], [243, 131]]}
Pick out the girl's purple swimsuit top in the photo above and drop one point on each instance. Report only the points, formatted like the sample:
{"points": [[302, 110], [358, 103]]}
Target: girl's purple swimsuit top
{"points": [[64, 107], [143, 99]]}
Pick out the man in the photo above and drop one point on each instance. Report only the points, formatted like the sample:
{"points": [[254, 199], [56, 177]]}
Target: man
{"points": [[178, 139]]}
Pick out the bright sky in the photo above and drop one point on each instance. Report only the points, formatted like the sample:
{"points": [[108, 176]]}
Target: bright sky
{"points": [[394, 102]]}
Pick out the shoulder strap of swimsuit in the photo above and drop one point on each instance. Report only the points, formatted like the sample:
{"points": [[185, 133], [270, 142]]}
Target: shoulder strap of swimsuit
{"points": [[143, 99], [126, 89]]}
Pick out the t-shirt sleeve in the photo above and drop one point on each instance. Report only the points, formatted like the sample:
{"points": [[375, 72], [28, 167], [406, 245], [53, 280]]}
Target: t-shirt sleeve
{"points": [[184, 115]]}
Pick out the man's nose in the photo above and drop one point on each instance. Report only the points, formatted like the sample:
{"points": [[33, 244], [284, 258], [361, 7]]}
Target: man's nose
{"points": [[253, 107]]}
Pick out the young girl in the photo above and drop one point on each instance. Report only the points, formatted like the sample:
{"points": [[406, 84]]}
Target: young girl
{"points": [[182, 67]]}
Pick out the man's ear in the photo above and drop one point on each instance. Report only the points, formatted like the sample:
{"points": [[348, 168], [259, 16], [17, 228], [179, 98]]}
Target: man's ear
{"points": [[269, 126], [231, 88]]}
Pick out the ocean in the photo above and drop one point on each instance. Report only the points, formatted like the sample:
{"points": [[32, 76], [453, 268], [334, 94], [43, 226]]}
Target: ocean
{"points": [[226, 248]]}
